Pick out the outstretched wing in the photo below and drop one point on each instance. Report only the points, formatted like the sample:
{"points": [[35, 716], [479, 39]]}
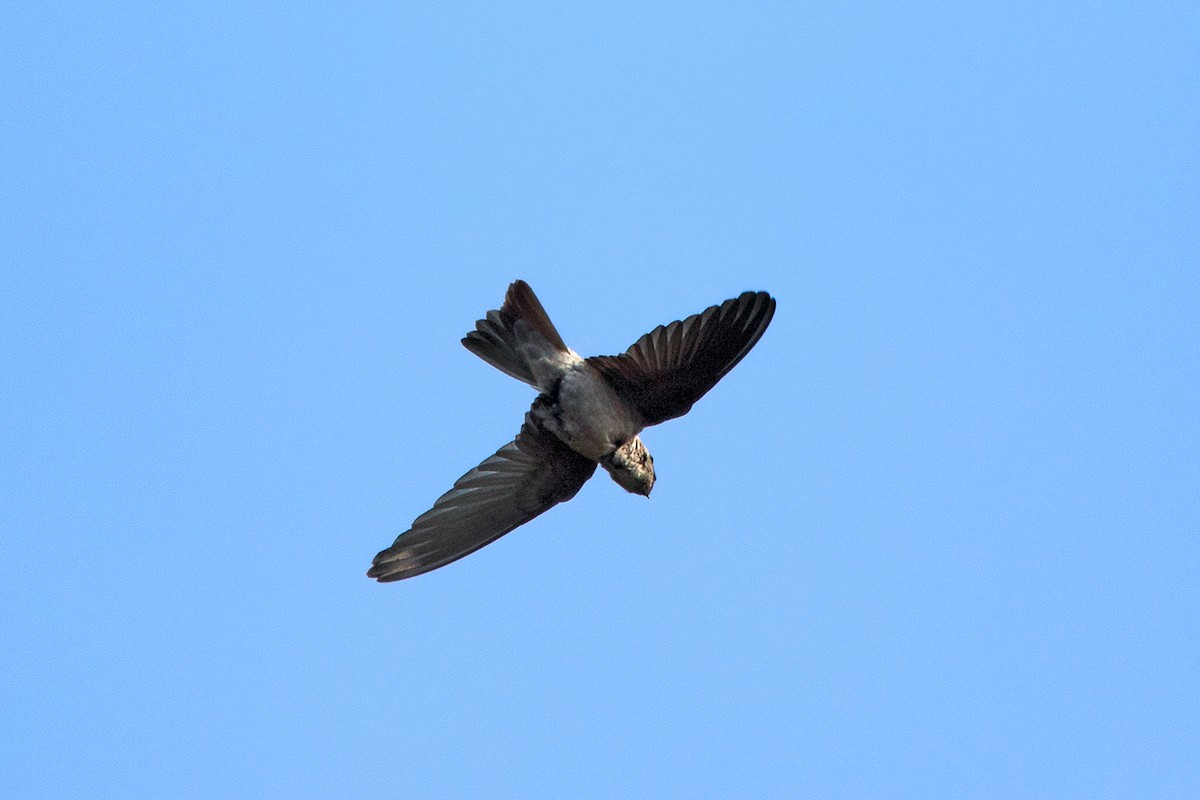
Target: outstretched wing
{"points": [[524, 478], [673, 366]]}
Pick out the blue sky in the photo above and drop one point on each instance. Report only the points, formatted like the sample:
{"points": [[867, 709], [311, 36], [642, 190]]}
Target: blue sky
{"points": [[935, 537]]}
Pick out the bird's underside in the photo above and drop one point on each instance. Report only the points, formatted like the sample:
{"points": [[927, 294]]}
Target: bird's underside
{"points": [[589, 412]]}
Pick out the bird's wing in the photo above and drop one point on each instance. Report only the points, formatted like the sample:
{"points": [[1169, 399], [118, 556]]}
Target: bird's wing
{"points": [[524, 478], [672, 366]]}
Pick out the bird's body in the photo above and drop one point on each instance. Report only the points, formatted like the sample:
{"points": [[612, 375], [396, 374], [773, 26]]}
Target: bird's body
{"points": [[590, 417], [588, 412]]}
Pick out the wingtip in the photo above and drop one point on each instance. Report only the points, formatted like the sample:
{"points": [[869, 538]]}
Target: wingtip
{"points": [[382, 577], [757, 297], [758, 307], [384, 566], [387, 572], [769, 312]]}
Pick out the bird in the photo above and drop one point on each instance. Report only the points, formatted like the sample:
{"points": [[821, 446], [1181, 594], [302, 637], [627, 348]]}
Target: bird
{"points": [[589, 412]]}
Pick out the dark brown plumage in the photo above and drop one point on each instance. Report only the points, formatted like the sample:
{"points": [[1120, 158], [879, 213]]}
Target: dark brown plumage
{"points": [[666, 371], [590, 411], [524, 478]]}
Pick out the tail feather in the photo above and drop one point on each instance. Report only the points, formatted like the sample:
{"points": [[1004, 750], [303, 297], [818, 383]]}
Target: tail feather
{"points": [[493, 341], [521, 302], [495, 336]]}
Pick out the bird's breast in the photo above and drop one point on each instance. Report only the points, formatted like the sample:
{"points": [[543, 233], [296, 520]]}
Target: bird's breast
{"points": [[590, 417]]}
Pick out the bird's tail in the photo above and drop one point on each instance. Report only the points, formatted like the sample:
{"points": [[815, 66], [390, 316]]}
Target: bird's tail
{"points": [[498, 336]]}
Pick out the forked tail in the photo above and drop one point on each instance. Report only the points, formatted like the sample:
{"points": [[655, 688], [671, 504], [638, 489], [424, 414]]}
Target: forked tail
{"points": [[521, 320]]}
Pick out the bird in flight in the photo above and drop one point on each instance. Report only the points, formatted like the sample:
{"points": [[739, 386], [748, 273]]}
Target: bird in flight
{"points": [[588, 411]]}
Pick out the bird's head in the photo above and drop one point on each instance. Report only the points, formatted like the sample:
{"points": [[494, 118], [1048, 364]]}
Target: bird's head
{"points": [[631, 466]]}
